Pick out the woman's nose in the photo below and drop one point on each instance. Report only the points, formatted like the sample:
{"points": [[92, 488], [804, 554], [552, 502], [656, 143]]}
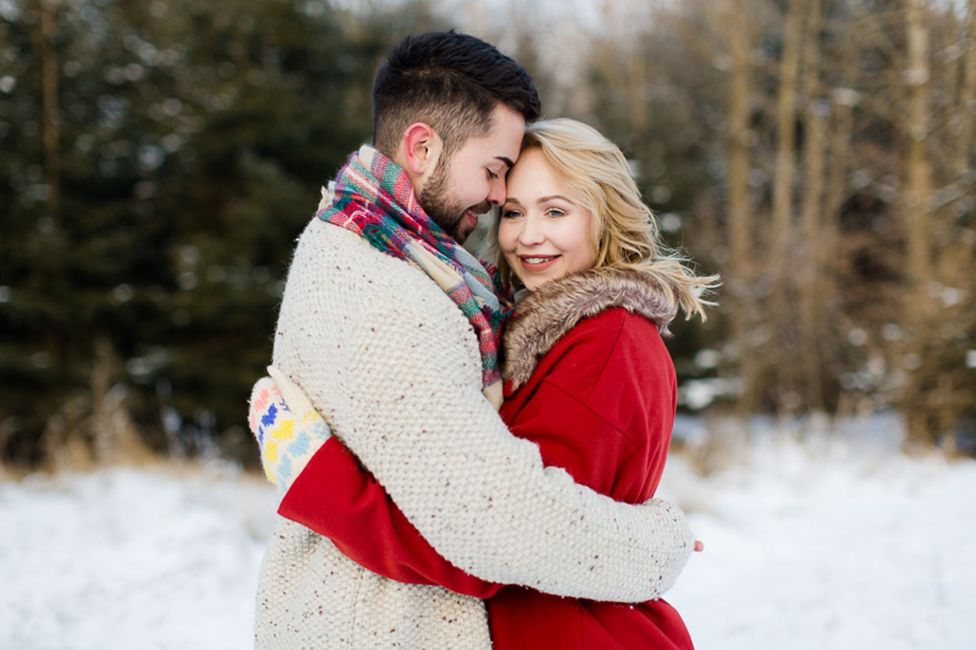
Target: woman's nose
{"points": [[531, 232]]}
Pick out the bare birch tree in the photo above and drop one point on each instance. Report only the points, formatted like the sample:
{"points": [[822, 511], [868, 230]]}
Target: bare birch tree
{"points": [[782, 243], [965, 110], [742, 253], [813, 279], [916, 207]]}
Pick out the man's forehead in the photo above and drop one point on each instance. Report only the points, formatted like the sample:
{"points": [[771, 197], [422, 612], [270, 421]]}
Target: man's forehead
{"points": [[501, 143], [491, 150], [507, 130]]}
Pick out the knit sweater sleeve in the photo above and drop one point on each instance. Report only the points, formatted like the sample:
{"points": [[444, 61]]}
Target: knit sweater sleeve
{"points": [[398, 378], [336, 497]]}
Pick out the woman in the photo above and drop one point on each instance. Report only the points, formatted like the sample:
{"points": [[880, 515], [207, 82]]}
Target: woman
{"points": [[588, 379]]}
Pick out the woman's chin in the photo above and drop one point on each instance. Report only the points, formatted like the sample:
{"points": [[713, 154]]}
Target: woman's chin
{"points": [[535, 282]]}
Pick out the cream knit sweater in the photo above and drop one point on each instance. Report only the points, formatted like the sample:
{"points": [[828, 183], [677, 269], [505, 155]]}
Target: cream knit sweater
{"points": [[394, 367]]}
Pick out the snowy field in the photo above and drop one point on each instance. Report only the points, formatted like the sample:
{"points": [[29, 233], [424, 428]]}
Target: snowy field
{"points": [[813, 545]]}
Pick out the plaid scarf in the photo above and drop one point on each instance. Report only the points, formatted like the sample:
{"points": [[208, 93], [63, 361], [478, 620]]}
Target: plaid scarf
{"points": [[373, 197]]}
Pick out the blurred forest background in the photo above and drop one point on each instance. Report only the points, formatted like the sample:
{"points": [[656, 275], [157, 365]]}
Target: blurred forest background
{"points": [[158, 160]]}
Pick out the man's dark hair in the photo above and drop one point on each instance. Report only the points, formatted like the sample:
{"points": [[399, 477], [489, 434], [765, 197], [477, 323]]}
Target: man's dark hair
{"points": [[451, 81]]}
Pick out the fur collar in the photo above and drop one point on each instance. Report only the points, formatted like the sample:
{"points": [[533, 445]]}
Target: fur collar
{"points": [[547, 314]]}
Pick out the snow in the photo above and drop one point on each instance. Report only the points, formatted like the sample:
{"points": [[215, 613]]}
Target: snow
{"points": [[815, 544], [815, 547], [121, 558]]}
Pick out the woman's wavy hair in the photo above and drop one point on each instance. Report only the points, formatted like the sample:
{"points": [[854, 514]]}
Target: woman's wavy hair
{"points": [[625, 231]]}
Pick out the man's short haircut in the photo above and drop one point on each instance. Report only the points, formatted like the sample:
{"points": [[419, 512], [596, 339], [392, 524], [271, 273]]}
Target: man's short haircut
{"points": [[452, 82]]}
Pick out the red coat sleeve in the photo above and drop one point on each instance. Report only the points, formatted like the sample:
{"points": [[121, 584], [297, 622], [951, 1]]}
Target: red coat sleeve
{"points": [[337, 498]]}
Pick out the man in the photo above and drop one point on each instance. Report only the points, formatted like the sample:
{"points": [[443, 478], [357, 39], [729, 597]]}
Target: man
{"points": [[391, 328]]}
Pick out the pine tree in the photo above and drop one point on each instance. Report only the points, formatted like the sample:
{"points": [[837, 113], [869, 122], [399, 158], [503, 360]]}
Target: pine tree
{"points": [[143, 253]]}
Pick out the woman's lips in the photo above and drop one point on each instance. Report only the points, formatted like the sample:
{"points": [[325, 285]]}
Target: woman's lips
{"points": [[537, 263]]}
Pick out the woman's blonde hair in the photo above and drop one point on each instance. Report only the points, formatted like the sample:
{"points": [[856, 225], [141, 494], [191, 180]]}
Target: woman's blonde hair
{"points": [[625, 232]]}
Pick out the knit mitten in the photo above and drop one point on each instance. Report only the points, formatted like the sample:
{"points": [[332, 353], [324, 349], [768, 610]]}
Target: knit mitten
{"points": [[287, 427]]}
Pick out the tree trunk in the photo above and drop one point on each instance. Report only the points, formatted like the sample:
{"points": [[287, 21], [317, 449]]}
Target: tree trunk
{"points": [[966, 106], [114, 436], [954, 267], [843, 100], [637, 81], [917, 202], [782, 245], [741, 246], [51, 123], [813, 287], [918, 223]]}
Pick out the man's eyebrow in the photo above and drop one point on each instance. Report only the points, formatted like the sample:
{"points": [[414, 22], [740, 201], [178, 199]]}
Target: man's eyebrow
{"points": [[507, 161]]}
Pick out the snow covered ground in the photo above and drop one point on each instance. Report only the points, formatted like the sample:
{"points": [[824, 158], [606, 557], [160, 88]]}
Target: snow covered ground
{"points": [[131, 559], [815, 545], [829, 546]]}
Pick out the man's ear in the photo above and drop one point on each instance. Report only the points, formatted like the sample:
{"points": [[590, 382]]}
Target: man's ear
{"points": [[421, 148]]}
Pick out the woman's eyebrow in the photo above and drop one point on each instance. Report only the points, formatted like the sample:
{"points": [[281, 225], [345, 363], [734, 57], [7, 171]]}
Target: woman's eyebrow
{"points": [[543, 199], [512, 199]]}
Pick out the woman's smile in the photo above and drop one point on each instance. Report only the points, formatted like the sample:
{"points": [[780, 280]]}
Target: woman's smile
{"points": [[537, 263]]}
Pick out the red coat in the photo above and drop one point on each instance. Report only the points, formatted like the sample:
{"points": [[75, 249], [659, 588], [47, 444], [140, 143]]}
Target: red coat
{"points": [[599, 403]]}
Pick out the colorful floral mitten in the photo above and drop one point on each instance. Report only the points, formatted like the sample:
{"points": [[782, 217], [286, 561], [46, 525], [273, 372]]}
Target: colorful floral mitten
{"points": [[287, 427]]}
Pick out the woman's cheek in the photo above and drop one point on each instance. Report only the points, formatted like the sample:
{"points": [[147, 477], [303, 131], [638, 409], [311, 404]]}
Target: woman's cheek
{"points": [[506, 237]]}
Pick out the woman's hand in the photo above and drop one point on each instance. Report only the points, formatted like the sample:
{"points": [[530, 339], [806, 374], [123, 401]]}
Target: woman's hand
{"points": [[288, 428]]}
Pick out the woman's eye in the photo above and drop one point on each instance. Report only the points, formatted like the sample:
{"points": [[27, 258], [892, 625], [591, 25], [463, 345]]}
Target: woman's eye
{"points": [[510, 214], [555, 212]]}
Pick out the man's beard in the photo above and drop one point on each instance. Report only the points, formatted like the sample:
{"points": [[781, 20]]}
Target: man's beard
{"points": [[440, 206]]}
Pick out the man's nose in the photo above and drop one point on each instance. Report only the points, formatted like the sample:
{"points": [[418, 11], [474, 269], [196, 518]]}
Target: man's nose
{"points": [[496, 191]]}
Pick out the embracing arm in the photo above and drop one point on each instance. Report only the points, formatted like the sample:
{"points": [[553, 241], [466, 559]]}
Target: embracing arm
{"points": [[324, 488], [477, 494], [339, 499], [335, 497]]}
